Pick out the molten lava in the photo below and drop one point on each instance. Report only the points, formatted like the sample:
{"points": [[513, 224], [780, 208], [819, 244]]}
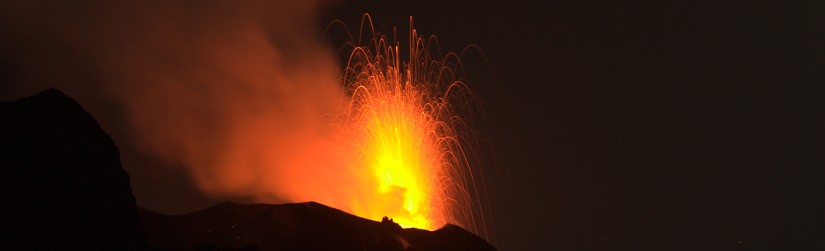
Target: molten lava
{"points": [[402, 127], [247, 102]]}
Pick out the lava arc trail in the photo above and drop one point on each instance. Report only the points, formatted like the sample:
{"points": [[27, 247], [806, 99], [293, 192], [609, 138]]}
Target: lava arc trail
{"points": [[402, 121]]}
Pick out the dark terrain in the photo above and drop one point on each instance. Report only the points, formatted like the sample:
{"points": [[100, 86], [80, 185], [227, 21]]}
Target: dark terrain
{"points": [[62, 187], [61, 182], [300, 226]]}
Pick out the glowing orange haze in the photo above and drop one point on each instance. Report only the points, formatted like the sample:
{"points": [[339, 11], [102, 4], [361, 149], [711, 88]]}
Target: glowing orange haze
{"points": [[396, 126], [408, 161], [244, 96]]}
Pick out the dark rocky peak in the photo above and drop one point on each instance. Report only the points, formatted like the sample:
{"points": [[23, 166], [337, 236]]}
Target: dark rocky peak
{"points": [[62, 187], [61, 181]]}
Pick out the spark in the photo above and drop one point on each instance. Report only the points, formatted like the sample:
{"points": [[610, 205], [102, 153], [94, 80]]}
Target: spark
{"points": [[401, 120]]}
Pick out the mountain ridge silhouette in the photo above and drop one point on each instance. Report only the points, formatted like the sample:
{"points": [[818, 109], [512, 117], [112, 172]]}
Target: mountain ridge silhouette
{"points": [[62, 186]]}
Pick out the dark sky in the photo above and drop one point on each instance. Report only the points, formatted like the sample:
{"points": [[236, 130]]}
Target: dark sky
{"points": [[644, 126]]}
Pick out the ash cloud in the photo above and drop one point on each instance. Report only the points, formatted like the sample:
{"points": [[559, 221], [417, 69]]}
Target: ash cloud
{"points": [[233, 92]]}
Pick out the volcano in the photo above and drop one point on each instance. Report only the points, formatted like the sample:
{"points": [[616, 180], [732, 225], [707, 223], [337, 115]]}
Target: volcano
{"points": [[63, 187], [298, 226]]}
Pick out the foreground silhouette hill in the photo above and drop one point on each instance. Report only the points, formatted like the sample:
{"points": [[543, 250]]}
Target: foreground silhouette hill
{"points": [[62, 187], [299, 226], [61, 182]]}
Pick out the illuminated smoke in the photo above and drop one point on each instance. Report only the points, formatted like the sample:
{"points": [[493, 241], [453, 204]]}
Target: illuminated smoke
{"points": [[231, 90], [244, 95]]}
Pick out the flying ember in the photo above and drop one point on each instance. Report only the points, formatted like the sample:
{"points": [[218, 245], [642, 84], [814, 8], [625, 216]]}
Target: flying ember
{"points": [[401, 121]]}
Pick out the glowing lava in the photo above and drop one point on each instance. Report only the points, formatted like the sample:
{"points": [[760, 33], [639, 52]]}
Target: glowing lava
{"points": [[402, 126]]}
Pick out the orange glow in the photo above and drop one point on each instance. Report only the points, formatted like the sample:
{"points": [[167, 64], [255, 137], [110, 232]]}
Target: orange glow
{"points": [[395, 139], [401, 127], [244, 98]]}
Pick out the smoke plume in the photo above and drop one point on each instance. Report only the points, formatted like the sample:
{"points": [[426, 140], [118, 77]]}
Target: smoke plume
{"points": [[235, 92]]}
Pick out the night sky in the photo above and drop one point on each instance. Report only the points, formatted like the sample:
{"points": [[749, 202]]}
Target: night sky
{"points": [[644, 126], [640, 126]]}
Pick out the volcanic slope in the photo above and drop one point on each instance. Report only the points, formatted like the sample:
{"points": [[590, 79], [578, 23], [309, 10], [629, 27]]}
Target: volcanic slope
{"points": [[298, 226], [62, 186]]}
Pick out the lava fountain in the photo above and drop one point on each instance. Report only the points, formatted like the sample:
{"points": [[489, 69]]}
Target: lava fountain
{"points": [[401, 119], [237, 95]]}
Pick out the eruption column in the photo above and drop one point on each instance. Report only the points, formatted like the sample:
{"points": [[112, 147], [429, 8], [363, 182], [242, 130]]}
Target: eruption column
{"points": [[402, 126]]}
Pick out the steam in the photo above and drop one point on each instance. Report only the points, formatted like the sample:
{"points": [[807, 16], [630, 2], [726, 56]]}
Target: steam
{"points": [[236, 92]]}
